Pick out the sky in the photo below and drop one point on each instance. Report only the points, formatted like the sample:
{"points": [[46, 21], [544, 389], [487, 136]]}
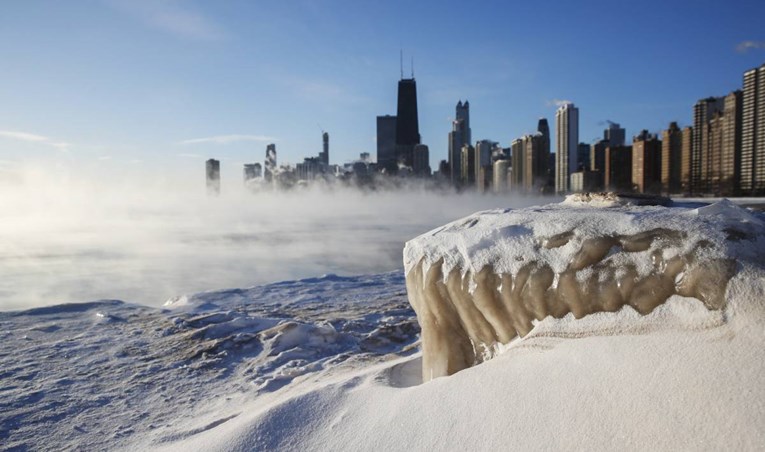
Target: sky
{"points": [[156, 87]]}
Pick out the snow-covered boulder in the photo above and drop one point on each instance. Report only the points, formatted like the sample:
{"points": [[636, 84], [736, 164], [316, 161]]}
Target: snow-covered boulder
{"points": [[484, 280]]}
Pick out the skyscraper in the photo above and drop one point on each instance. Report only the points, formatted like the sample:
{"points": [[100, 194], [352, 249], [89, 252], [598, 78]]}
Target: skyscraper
{"points": [[458, 137], [500, 175], [407, 125], [618, 168], [270, 164], [252, 171], [468, 165], [685, 160], [671, 158], [544, 131], [324, 155], [753, 132], [421, 160], [701, 160], [582, 157], [463, 116], [598, 156], [566, 141], [386, 143], [483, 150], [517, 159], [730, 154], [212, 168], [646, 163]]}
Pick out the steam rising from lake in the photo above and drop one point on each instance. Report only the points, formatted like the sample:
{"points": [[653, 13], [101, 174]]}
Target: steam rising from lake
{"points": [[70, 239]]}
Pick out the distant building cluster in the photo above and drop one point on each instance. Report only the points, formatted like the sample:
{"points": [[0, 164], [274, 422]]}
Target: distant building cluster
{"points": [[721, 154]]}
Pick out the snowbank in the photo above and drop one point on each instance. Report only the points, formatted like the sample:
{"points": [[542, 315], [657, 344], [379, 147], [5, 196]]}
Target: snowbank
{"points": [[331, 363], [481, 281]]}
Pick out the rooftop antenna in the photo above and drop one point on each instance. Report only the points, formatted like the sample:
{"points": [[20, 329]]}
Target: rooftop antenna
{"points": [[412, 68], [402, 63]]}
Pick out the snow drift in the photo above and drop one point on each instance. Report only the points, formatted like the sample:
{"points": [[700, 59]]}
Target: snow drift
{"points": [[481, 281], [332, 363]]}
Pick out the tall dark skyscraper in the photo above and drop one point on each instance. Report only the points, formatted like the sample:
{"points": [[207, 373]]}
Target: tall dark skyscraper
{"points": [[212, 168], [544, 129], [463, 116], [407, 125], [324, 155], [386, 143]]}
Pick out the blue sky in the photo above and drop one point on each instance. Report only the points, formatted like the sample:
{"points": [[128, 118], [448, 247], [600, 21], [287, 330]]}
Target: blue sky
{"points": [[165, 84]]}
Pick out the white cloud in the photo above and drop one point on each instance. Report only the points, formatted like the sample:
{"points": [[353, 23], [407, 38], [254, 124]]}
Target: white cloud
{"points": [[228, 139], [558, 102], [746, 46], [171, 16], [32, 138]]}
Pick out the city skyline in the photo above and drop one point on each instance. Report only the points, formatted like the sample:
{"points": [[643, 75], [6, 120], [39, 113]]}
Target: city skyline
{"points": [[175, 83]]}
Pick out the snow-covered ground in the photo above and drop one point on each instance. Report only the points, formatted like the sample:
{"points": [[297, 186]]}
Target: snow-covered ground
{"points": [[105, 374], [333, 363]]}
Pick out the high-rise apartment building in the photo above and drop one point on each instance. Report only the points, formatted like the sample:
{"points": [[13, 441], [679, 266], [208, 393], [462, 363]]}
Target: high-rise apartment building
{"points": [[685, 160], [598, 155], [614, 134], [646, 163], [386, 143], [212, 171], [730, 152], [618, 168], [701, 161], [407, 125], [671, 158], [752, 180], [566, 141], [529, 159], [516, 165]]}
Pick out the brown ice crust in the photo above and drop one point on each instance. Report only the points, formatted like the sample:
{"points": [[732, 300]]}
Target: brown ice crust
{"points": [[465, 315]]}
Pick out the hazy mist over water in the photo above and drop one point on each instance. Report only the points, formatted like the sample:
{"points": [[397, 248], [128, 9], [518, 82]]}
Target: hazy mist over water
{"points": [[71, 239]]}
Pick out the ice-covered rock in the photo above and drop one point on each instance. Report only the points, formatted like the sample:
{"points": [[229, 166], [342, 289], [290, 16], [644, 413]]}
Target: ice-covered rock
{"points": [[484, 280]]}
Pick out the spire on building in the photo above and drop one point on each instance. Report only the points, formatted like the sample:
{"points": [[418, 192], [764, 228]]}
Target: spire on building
{"points": [[401, 56]]}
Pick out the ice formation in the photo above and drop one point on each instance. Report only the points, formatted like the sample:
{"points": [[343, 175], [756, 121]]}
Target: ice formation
{"points": [[482, 281]]}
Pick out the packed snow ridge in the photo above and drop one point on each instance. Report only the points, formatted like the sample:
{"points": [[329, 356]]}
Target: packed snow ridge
{"points": [[484, 280]]}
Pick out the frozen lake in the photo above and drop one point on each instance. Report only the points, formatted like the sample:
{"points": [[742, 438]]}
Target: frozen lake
{"points": [[82, 242]]}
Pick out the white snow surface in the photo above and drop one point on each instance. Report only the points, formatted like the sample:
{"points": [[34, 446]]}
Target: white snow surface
{"points": [[331, 363], [509, 239]]}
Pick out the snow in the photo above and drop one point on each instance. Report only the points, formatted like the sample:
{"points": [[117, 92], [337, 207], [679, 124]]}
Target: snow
{"points": [[334, 363]]}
